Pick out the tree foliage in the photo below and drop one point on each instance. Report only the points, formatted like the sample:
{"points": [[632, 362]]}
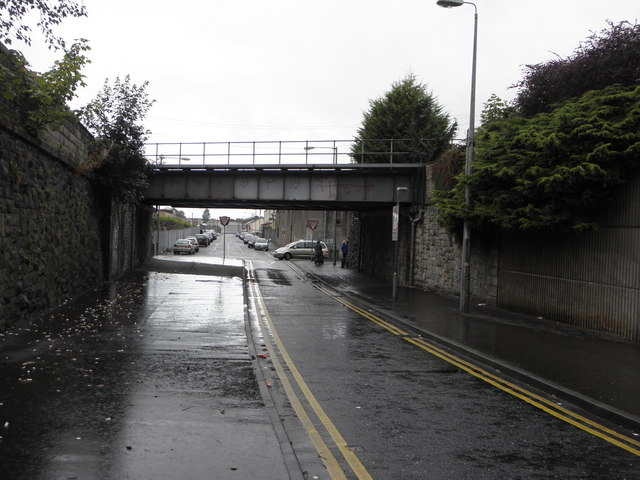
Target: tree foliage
{"points": [[448, 166], [606, 58], [34, 102], [117, 155], [410, 116], [173, 223], [51, 14], [550, 170]]}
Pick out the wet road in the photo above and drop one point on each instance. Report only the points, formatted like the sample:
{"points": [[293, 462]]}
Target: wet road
{"points": [[408, 414], [155, 377]]}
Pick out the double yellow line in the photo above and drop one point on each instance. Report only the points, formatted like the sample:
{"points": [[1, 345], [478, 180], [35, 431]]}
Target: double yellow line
{"points": [[623, 441], [331, 463]]}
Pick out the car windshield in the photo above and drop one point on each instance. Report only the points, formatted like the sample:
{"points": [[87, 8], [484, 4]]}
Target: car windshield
{"points": [[261, 240]]}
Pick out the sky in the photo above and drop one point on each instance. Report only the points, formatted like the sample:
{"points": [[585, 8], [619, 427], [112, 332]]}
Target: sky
{"points": [[284, 70]]}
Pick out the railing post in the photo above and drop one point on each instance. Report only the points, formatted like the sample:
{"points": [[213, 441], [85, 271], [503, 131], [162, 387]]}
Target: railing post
{"points": [[204, 156], [228, 153], [391, 151]]}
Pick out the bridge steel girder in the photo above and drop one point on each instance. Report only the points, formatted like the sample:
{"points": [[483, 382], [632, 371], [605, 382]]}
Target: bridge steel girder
{"points": [[346, 187]]}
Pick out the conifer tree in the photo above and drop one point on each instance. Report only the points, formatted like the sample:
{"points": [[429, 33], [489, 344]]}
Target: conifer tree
{"points": [[406, 120]]}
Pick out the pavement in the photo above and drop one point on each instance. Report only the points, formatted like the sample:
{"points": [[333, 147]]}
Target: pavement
{"points": [[596, 372]]}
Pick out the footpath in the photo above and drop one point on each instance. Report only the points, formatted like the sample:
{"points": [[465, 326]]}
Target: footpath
{"points": [[598, 373]]}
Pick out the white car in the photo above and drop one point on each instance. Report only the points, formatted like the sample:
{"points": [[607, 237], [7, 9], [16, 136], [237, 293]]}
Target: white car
{"points": [[300, 249]]}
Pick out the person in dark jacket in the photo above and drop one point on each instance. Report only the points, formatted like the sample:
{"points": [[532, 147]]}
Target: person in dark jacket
{"points": [[344, 248], [318, 252]]}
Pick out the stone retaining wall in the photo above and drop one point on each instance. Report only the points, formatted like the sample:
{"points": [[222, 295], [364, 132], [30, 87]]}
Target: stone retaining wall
{"points": [[49, 234]]}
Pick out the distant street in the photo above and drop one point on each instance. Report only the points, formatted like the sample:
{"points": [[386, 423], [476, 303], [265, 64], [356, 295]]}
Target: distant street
{"points": [[182, 372]]}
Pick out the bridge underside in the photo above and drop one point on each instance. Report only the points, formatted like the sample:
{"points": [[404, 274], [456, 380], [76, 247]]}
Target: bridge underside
{"points": [[355, 187]]}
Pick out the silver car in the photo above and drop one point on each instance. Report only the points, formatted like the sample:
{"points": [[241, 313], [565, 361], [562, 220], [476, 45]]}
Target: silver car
{"points": [[195, 243], [299, 249], [183, 245], [261, 244], [247, 238]]}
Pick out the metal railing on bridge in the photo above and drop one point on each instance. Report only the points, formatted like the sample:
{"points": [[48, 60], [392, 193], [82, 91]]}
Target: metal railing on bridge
{"points": [[306, 152]]}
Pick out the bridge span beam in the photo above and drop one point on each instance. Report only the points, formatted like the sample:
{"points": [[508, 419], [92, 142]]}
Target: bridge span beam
{"points": [[345, 187]]}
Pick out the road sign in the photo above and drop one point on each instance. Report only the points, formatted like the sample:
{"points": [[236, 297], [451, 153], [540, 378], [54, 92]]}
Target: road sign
{"points": [[394, 224], [225, 221], [312, 224]]}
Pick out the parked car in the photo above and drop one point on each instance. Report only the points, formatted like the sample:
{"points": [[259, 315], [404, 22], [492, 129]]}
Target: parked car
{"points": [[252, 241], [183, 245], [247, 237], [261, 244], [299, 249], [194, 241], [203, 239]]}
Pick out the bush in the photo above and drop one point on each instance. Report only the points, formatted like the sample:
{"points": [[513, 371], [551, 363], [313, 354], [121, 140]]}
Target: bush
{"points": [[550, 170]]}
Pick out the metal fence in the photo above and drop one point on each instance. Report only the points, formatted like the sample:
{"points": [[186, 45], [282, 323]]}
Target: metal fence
{"points": [[590, 280], [289, 152]]}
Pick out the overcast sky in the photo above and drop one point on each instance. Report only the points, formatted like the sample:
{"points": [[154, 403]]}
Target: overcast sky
{"points": [[245, 70]]}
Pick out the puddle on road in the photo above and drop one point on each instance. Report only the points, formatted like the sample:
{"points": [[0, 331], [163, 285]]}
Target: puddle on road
{"points": [[276, 276]]}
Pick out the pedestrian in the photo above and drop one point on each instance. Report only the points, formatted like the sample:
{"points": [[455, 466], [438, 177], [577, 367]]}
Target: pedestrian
{"points": [[345, 251], [318, 255]]}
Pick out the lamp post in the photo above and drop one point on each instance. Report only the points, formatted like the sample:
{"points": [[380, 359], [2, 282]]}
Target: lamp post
{"points": [[157, 229], [395, 236], [335, 151], [335, 215], [465, 272], [180, 159]]}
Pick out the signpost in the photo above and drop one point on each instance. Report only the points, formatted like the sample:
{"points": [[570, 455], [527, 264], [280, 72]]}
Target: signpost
{"points": [[312, 224], [394, 224], [224, 221]]}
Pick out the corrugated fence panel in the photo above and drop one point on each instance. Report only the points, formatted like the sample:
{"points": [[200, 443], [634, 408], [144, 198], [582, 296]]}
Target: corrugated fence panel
{"points": [[590, 280]]}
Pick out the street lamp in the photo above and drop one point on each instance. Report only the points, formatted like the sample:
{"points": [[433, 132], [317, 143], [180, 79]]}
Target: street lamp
{"points": [[395, 236], [335, 214], [180, 159], [465, 273], [335, 151]]}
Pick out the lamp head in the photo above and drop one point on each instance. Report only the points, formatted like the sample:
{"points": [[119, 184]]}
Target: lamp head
{"points": [[450, 3]]}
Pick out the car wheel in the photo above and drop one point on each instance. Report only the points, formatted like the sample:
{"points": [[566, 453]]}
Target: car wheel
{"points": [[287, 256]]}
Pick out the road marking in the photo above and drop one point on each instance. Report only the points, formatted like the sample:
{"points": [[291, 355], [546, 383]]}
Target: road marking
{"points": [[611, 436], [323, 450]]}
